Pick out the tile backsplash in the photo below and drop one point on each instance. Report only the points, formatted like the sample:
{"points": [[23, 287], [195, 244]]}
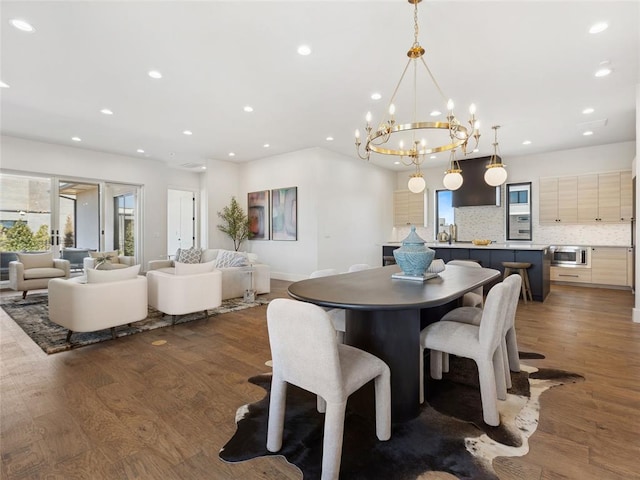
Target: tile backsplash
{"points": [[489, 222]]}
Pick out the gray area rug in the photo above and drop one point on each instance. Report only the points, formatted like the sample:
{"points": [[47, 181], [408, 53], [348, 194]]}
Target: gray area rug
{"points": [[32, 315]]}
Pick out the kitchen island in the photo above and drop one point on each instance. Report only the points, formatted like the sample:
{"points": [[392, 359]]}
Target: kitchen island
{"points": [[492, 256]]}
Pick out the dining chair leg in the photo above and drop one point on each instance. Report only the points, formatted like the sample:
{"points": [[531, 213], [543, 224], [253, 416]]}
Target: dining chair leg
{"points": [[512, 350], [436, 364], [332, 442], [498, 368], [488, 393], [421, 375], [383, 405], [321, 405], [277, 405], [505, 363]]}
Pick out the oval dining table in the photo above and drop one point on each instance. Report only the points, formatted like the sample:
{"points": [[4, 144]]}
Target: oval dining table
{"points": [[383, 317]]}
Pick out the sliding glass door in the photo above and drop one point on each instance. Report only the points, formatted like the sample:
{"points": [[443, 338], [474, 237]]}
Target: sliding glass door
{"points": [[43, 213]]}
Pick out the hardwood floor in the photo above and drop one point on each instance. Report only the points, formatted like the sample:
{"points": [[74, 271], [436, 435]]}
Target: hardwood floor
{"points": [[127, 409]]}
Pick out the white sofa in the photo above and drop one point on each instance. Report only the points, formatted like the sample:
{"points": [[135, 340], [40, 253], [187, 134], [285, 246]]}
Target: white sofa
{"points": [[235, 280], [88, 307]]}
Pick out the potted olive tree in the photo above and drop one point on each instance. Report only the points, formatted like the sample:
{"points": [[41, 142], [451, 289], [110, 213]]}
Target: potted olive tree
{"points": [[235, 223]]}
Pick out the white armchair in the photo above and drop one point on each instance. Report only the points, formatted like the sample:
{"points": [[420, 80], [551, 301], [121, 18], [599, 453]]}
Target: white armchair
{"points": [[87, 307], [34, 270], [177, 294]]}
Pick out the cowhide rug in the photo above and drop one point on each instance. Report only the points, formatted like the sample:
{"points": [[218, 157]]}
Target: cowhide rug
{"points": [[449, 434]]}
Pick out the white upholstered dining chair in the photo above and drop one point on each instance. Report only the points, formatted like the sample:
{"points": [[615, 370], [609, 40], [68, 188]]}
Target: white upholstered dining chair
{"points": [[474, 298], [481, 343], [509, 342], [337, 315], [357, 267], [305, 353]]}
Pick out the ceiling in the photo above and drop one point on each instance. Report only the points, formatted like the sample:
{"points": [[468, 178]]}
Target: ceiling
{"points": [[527, 65]]}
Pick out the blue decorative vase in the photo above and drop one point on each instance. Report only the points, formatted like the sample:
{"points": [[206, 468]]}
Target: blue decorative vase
{"points": [[413, 257]]}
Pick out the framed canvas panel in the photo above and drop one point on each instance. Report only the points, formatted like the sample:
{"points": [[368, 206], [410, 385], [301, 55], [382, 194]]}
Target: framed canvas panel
{"points": [[284, 213], [259, 215]]}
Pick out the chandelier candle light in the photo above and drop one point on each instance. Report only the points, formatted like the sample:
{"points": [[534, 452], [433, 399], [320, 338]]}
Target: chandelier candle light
{"points": [[379, 140]]}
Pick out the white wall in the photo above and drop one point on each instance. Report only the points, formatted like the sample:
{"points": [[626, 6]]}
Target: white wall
{"points": [[344, 210], [489, 221], [218, 185], [20, 155]]}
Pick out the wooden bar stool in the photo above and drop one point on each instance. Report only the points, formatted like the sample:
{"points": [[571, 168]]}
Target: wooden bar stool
{"points": [[521, 269]]}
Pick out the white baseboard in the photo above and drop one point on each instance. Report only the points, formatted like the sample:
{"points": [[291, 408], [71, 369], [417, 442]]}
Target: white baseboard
{"points": [[290, 277], [636, 315]]}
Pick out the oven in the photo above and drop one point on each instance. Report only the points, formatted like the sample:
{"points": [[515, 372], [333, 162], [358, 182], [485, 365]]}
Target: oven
{"points": [[570, 256]]}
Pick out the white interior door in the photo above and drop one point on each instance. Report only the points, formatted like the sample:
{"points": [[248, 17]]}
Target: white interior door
{"points": [[181, 220]]}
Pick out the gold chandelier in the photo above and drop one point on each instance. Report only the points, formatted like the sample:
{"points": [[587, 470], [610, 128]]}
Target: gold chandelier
{"points": [[380, 139]]}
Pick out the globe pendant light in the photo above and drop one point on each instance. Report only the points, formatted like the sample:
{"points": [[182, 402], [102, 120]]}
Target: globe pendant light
{"points": [[496, 174], [453, 178], [416, 183]]}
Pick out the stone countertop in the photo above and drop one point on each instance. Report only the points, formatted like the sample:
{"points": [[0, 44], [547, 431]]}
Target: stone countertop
{"points": [[491, 246]]}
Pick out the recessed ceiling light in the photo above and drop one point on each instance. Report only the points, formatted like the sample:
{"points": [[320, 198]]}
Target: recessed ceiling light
{"points": [[598, 27], [155, 74], [203, 167], [527, 142], [396, 163], [435, 113], [329, 139], [76, 139], [266, 145], [106, 111], [587, 133], [22, 25], [588, 110], [140, 150], [432, 157], [603, 72], [376, 96], [248, 109], [231, 154], [476, 150], [3, 85], [304, 50], [188, 132]]}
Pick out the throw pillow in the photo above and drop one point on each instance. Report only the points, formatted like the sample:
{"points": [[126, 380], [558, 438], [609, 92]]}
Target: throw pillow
{"points": [[189, 255], [36, 260], [105, 276], [227, 258], [105, 257], [192, 268]]}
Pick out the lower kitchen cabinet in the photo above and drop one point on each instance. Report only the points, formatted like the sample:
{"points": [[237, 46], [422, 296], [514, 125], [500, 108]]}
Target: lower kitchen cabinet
{"points": [[574, 275], [609, 266]]}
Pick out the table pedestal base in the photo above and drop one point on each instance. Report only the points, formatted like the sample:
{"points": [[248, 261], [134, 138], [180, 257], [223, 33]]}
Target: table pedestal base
{"points": [[394, 337]]}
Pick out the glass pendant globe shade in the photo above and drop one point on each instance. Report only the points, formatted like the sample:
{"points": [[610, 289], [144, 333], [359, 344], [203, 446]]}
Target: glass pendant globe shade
{"points": [[416, 184], [452, 181], [495, 176]]}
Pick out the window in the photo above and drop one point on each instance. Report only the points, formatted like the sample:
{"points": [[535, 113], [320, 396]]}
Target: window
{"points": [[123, 224], [444, 211]]}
